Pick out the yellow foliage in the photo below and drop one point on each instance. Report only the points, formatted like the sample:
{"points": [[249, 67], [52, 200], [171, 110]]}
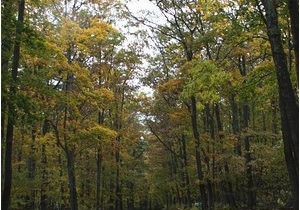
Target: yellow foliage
{"points": [[236, 77], [95, 132], [179, 116], [97, 34], [170, 86], [69, 33]]}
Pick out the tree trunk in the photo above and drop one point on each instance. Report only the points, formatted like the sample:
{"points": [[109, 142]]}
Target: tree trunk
{"points": [[44, 181], [287, 100], [7, 30], [230, 195], [62, 202], [44, 176], [294, 15], [99, 166], [227, 185], [102, 186], [186, 173], [72, 179], [111, 188], [183, 186], [174, 176], [6, 194], [98, 180], [251, 198], [118, 205], [198, 155], [31, 170], [274, 117], [218, 117], [20, 149], [235, 124], [130, 199], [210, 128], [210, 194], [250, 184]]}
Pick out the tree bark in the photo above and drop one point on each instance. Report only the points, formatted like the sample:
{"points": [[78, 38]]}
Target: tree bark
{"points": [[229, 190], [235, 124], [287, 100], [251, 198], [118, 204], [198, 155], [111, 188], [6, 194], [32, 170], [102, 186], [227, 185], [186, 173], [130, 199], [98, 179], [294, 15], [7, 30], [118, 126], [210, 128], [274, 116], [44, 176], [99, 166], [72, 179]]}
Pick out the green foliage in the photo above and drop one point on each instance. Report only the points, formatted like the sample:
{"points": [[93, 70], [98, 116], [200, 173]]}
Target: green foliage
{"points": [[205, 80]]}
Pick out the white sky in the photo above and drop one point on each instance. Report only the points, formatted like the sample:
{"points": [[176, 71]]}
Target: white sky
{"points": [[138, 8], [138, 5]]}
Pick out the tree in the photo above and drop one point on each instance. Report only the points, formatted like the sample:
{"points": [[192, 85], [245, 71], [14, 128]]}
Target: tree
{"points": [[287, 100], [6, 195]]}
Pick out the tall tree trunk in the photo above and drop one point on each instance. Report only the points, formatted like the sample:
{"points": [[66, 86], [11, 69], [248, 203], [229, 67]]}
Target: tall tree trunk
{"points": [[89, 205], [227, 185], [294, 15], [118, 205], [235, 124], [20, 150], [118, 126], [287, 100], [72, 179], [251, 198], [186, 173], [198, 155], [183, 186], [102, 192], [6, 194], [210, 128], [130, 199], [83, 181], [210, 194], [98, 179], [250, 184], [31, 170], [174, 176], [274, 116], [218, 117], [99, 166], [44, 176], [44, 173], [111, 188], [7, 30], [61, 202]]}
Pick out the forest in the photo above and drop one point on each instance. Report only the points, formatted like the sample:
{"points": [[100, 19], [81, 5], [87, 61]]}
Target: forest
{"points": [[149, 104]]}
